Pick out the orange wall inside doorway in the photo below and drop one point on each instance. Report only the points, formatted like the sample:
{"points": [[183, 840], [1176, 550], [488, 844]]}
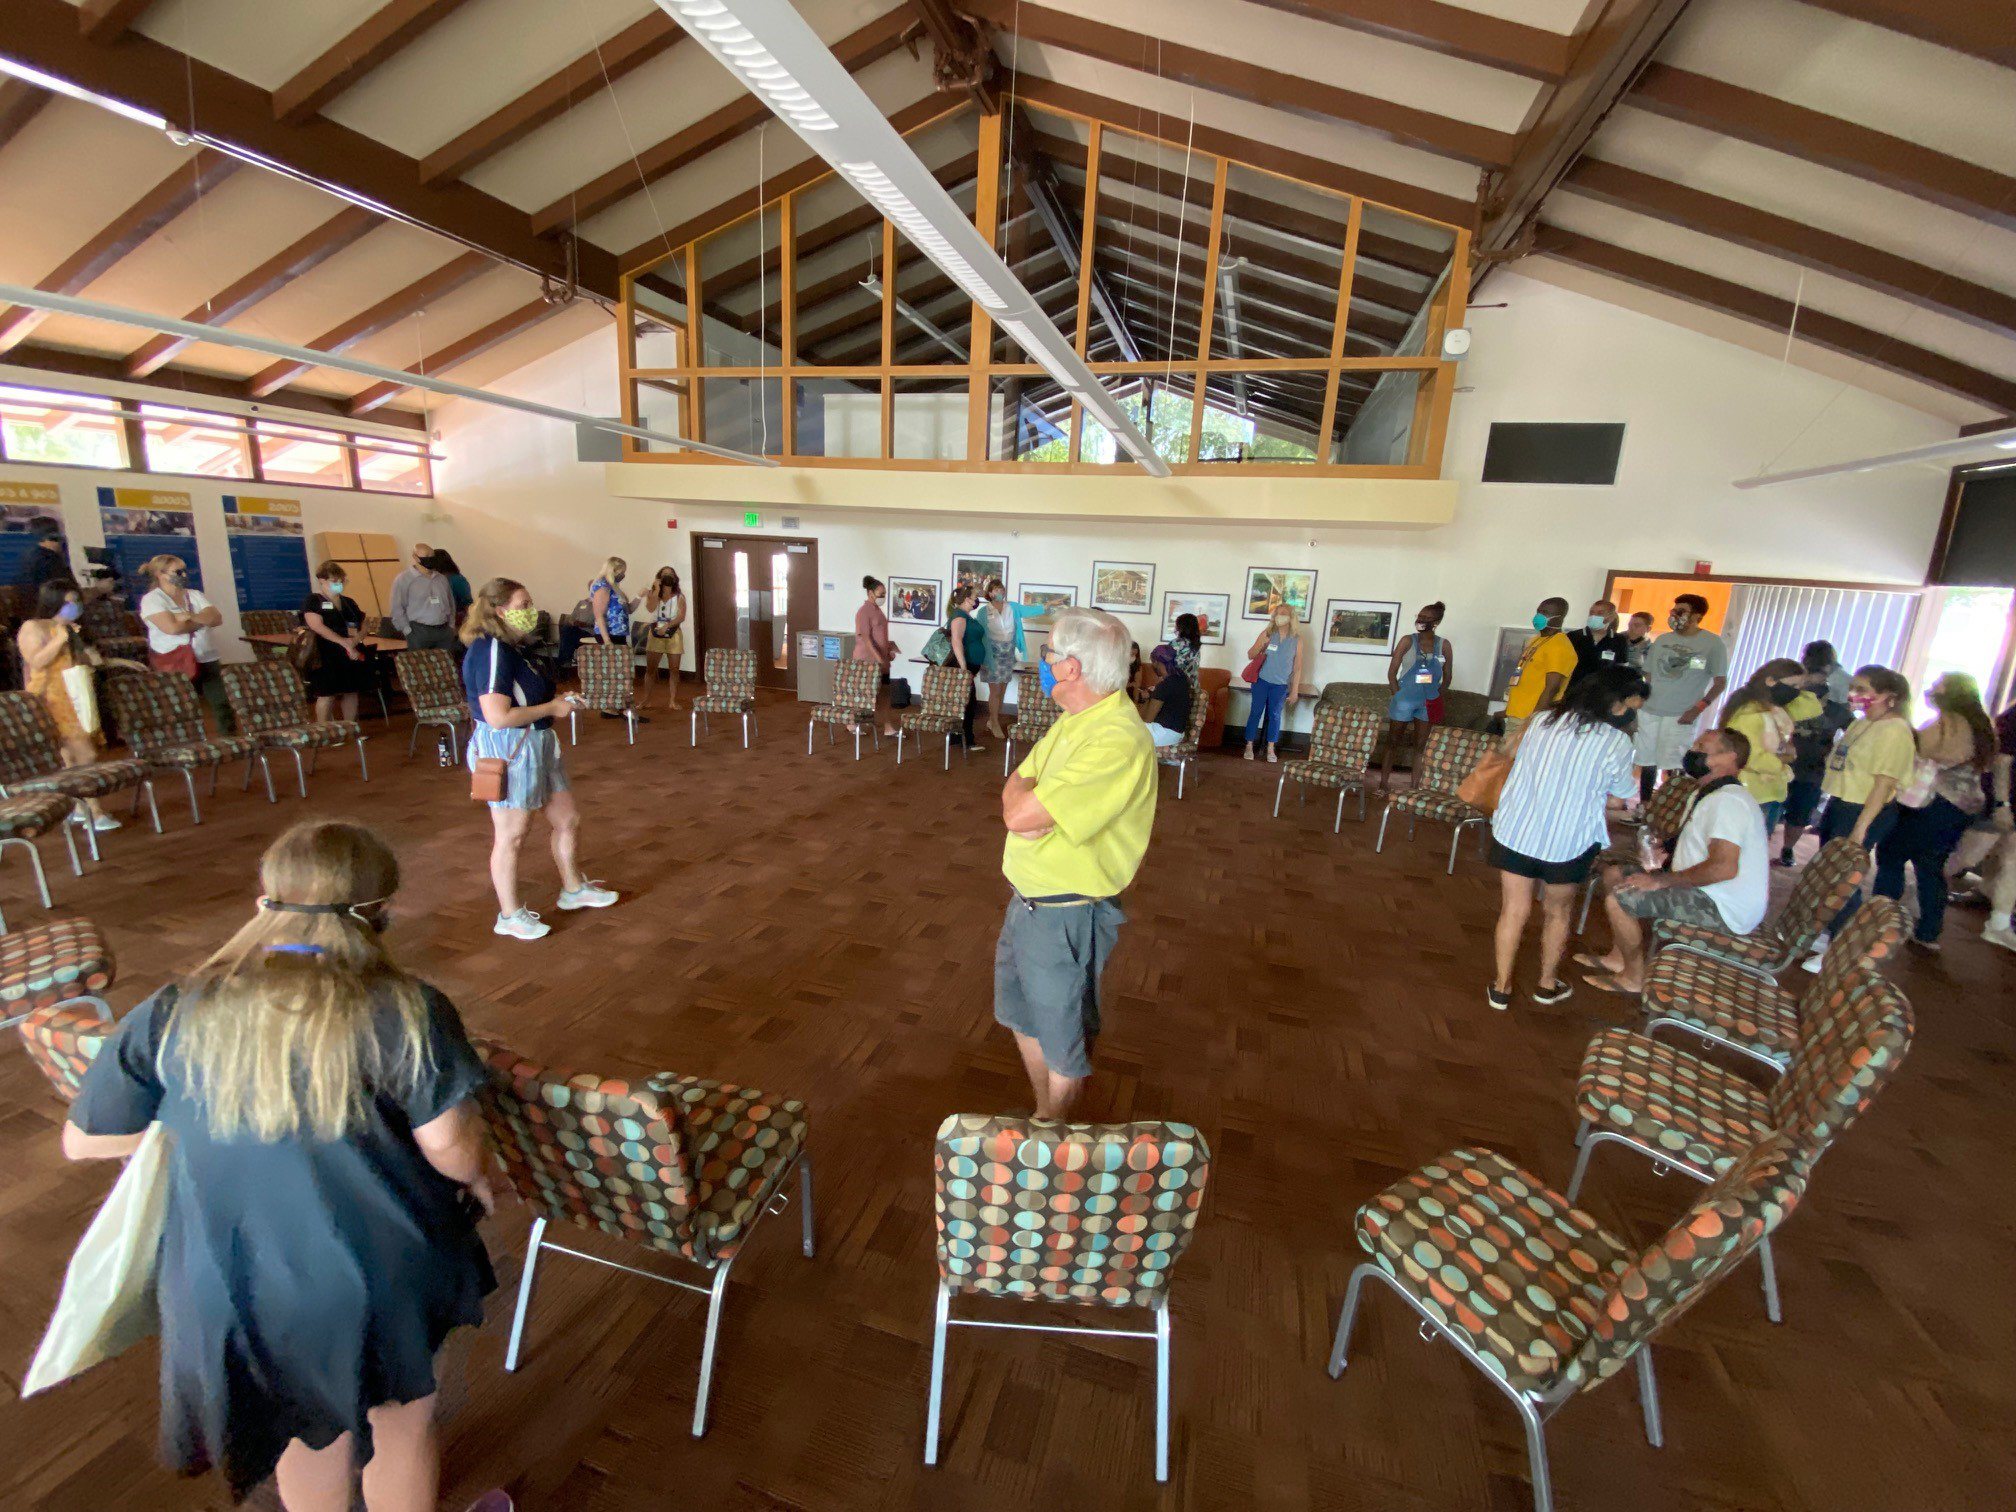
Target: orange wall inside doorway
{"points": [[1655, 595]]}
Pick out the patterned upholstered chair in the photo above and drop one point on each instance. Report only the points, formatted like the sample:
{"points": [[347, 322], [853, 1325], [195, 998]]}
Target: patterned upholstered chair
{"points": [[1537, 1294], [23, 821], [608, 686], [1690, 1115], [1446, 760], [267, 622], [115, 630], [1671, 802], [1184, 752], [853, 706], [942, 712], [269, 705], [678, 1165], [1015, 1202], [163, 724], [1732, 1006], [63, 963], [1826, 884], [431, 685], [63, 1041], [731, 689], [1340, 748], [1035, 712], [31, 761]]}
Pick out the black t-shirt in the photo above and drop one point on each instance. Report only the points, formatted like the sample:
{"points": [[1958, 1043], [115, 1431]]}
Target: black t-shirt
{"points": [[1592, 651], [1173, 693], [340, 615], [40, 566], [491, 666]]}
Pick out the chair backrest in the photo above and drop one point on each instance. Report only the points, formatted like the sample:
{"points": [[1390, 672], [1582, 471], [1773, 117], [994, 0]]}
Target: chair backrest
{"points": [[1737, 1212], [63, 1041], [429, 680], [1449, 757], [1667, 810], [266, 621], [607, 679], [155, 710], [1873, 936], [946, 690], [854, 685], [1035, 710], [731, 671], [265, 695], [104, 618], [1821, 891], [1016, 1199], [1200, 710], [1344, 736], [29, 746], [1855, 1029]]}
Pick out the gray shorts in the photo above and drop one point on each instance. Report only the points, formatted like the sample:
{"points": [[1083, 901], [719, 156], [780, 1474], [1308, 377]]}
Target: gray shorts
{"points": [[1683, 905], [536, 771], [1047, 966]]}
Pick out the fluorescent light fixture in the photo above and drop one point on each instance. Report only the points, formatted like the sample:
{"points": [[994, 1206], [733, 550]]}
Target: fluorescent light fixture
{"points": [[77, 92], [1956, 452], [769, 45], [92, 309]]}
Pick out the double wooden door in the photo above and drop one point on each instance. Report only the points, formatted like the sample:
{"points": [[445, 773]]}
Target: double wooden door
{"points": [[756, 593]]}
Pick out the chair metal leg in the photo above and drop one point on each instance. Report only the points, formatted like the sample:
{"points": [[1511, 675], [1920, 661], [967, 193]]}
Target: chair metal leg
{"points": [[573, 728], [413, 740], [1347, 1316], [524, 1293], [1589, 1143], [1536, 1455], [899, 745], [1588, 897], [300, 771], [91, 840], [1454, 841], [693, 733], [1380, 844], [153, 808], [1338, 827], [76, 866], [809, 725], [720, 1291], [1183, 771], [266, 771], [805, 1199], [1279, 788], [363, 766], [189, 781], [1162, 1391], [1648, 1399], [1771, 1307], [745, 730], [34, 865], [938, 1330], [1008, 756], [948, 750], [630, 719]]}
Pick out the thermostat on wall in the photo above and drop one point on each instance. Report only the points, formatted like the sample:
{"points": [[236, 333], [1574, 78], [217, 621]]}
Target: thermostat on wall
{"points": [[1455, 343]]}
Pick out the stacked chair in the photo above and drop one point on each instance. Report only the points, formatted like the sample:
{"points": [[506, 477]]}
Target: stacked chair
{"points": [[1671, 802], [854, 687], [678, 1165], [434, 689], [1822, 891], [1013, 1199], [267, 622], [1184, 752], [1035, 712], [270, 707], [25, 820], [731, 689], [943, 711], [63, 964], [116, 631], [1340, 749], [163, 725], [31, 761], [608, 686], [64, 1039], [1449, 757]]}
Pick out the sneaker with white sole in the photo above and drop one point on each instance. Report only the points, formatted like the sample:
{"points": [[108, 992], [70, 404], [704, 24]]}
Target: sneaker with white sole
{"points": [[589, 894], [2006, 938], [105, 822], [522, 925]]}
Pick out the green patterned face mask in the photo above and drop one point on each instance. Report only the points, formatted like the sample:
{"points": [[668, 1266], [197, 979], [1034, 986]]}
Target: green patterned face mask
{"points": [[520, 620]]}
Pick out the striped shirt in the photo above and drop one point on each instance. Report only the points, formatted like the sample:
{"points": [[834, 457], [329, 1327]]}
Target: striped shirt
{"points": [[1552, 807]]}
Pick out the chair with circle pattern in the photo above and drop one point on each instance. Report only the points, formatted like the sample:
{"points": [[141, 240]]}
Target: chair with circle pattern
{"points": [[434, 688], [852, 708], [1824, 887], [677, 1164], [163, 724], [1688, 1114], [23, 821], [1035, 712], [31, 761], [1184, 753], [1537, 1294], [63, 1041], [1661, 819], [731, 689], [947, 691], [1340, 748], [608, 685], [268, 622], [267, 700], [1449, 757], [1091, 1215], [60, 964]]}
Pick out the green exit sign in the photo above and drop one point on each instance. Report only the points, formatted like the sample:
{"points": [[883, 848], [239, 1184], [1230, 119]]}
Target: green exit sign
{"points": [[752, 519]]}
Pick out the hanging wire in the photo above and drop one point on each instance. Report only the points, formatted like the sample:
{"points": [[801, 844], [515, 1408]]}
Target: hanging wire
{"points": [[1182, 220]]}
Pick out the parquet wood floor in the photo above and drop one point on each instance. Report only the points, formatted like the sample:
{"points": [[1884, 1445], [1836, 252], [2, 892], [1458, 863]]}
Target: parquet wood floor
{"points": [[826, 928]]}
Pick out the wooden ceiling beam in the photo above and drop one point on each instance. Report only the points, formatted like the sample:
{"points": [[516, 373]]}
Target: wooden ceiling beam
{"points": [[135, 224], [469, 347], [1981, 28], [20, 103], [1822, 330], [1216, 72], [378, 38], [1454, 31], [553, 96], [1842, 256], [105, 21], [382, 316], [343, 228], [1813, 137], [855, 51]]}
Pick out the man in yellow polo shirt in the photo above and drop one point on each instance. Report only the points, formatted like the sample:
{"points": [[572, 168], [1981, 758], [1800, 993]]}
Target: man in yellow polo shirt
{"points": [[1545, 667], [1078, 812]]}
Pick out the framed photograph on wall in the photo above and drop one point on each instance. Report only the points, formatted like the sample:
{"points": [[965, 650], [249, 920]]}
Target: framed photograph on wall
{"points": [[1211, 609], [1045, 599], [1269, 586], [1360, 627], [976, 568], [916, 601], [1123, 587]]}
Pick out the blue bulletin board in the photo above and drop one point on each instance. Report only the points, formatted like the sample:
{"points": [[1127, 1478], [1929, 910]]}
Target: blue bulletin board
{"points": [[269, 553], [141, 523]]}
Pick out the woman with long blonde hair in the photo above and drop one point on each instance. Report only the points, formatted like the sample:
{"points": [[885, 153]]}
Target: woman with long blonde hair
{"points": [[326, 1174]]}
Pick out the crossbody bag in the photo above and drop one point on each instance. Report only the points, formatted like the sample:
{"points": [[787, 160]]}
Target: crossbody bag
{"points": [[489, 776]]}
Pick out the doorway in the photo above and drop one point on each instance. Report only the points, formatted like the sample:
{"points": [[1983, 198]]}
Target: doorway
{"points": [[756, 593]]}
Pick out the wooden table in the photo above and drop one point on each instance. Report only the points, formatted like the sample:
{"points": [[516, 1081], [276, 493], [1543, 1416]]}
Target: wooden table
{"points": [[384, 643]]}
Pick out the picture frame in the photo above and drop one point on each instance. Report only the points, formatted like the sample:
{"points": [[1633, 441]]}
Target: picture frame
{"points": [[1360, 627], [1267, 586], [977, 567], [1045, 599], [1212, 611], [1123, 587], [916, 601]]}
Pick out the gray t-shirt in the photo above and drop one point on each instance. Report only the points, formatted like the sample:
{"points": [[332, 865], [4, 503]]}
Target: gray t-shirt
{"points": [[1680, 668]]}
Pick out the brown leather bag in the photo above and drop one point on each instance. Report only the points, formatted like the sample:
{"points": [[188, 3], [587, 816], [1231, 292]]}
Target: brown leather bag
{"points": [[489, 776], [1486, 783]]}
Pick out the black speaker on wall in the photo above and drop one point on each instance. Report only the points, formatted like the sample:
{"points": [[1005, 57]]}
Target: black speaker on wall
{"points": [[1521, 451], [1979, 543]]}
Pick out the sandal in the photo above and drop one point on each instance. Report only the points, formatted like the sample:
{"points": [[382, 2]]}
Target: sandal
{"points": [[1607, 982], [1589, 962]]}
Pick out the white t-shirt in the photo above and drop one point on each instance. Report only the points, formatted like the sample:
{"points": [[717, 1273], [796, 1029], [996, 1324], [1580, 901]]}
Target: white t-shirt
{"points": [[158, 602], [1730, 813]]}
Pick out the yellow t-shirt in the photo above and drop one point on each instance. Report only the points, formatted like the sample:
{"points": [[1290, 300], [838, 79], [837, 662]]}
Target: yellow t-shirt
{"points": [[1866, 751], [1765, 777], [1095, 773], [1543, 654]]}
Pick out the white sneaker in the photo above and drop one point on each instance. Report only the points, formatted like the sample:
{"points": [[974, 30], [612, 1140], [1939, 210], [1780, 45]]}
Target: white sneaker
{"points": [[589, 894], [2006, 938], [522, 925], [106, 822]]}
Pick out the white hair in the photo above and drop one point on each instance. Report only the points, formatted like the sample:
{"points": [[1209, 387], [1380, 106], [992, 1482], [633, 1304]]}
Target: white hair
{"points": [[1098, 641]]}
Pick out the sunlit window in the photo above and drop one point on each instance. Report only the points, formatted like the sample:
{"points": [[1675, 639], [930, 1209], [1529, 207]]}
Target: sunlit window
{"points": [[187, 441], [389, 467], [75, 430], [296, 454]]}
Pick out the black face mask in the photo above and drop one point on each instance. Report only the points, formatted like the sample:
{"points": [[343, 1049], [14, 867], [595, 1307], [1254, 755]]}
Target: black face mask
{"points": [[1627, 721], [1695, 765], [1783, 693]]}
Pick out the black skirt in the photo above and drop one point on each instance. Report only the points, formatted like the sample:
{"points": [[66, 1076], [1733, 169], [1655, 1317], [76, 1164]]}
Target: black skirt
{"points": [[333, 674], [1569, 873]]}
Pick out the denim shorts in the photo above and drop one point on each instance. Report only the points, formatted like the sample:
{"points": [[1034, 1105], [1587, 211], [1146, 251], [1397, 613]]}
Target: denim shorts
{"points": [[536, 771]]}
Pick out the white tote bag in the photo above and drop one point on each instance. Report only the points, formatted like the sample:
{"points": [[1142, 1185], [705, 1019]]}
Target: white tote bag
{"points": [[108, 1301], [81, 683]]}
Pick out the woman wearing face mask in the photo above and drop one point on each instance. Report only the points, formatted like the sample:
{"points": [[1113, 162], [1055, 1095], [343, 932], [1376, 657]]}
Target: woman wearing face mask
{"points": [[181, 625], [1005, 647], [872, 643], [609, 608], [1279, 650], [50, 646], [512, 704], [325, 1177], [1419, 671], [969, 649], [1765, 711], [1871, 761], [664, 605], [1955, 747], [339, 671], [1817, 718]]}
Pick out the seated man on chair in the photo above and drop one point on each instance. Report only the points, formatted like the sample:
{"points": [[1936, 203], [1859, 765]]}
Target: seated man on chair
{"points": [[1720, 876], [1167, 710]]}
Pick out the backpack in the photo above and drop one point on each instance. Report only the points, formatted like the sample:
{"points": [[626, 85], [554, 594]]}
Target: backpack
{"points": [[938, 649]]}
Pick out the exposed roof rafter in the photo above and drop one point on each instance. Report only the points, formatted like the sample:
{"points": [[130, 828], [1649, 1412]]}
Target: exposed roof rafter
{"points": [[382, 316], [1453, 30], [1983, 28], [103, 21], [378, 37], [474, 345]]}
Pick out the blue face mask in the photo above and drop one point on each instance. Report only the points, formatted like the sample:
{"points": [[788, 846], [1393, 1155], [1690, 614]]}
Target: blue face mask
{"points": [[71, 612], [1598, 624], [1541, 622], [1048, 678]]}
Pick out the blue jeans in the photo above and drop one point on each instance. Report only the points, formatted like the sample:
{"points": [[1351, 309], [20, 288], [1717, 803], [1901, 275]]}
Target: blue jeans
{"points": [[1837, 820], [1773, 812], [1925, 837], [1268, 698]]}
